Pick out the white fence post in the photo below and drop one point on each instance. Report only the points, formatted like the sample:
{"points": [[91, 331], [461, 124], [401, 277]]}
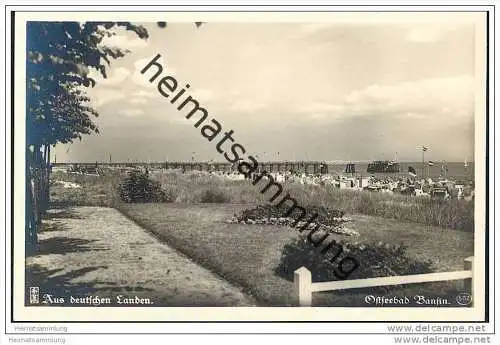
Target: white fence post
{"points": [[469, 283], [303, 286]]}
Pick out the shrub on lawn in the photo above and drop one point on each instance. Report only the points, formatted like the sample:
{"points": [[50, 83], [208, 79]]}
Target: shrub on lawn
{"points": [[213, 195], [137, 187], [375, 260]]}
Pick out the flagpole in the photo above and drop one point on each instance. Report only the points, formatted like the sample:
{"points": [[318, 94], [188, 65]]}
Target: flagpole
{"points": [[423, 162]]}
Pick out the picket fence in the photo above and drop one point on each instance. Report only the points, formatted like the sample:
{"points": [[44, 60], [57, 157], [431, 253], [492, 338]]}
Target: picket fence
{"points": [[304, 287]]}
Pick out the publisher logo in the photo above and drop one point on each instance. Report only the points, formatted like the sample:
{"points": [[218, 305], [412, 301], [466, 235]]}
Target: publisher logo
{"points": [[464, 298], [34, 295]]}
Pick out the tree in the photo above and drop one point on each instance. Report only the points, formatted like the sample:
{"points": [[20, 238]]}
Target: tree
{"points": [[60, 55]]}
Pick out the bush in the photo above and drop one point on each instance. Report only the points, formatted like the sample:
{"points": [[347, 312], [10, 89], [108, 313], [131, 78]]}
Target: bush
{"points": [[137, 187], [375, 260], [214, 196]]}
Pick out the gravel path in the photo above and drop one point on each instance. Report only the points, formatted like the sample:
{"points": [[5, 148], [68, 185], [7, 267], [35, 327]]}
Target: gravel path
{"points": [[96, 251]]}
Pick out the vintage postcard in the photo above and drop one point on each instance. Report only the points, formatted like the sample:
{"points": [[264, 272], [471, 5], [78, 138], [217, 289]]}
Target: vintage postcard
{"points": [[250, 166]]}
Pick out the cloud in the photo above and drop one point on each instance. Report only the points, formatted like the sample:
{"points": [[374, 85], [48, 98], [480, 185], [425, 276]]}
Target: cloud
{"points": [[143, 79], [246, 106], [427, 95], [143, 93], [106, 95], [125, 42], [115, 76], [137, 101], [203, 95], [117, 86], [132, 112], [452, 97], [308, 29], [321, 107]]}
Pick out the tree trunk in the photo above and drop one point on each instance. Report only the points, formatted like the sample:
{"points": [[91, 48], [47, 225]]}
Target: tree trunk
{"points": [[49, 170], [44, 179], [31, 238], [37, 193], [38, 186], [41, 181]]}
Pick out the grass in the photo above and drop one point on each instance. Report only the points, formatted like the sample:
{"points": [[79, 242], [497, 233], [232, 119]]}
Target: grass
{"points": [[249, 255], [95, 190], [195, 187], [96, 251], [238, 253], [455, 214]]}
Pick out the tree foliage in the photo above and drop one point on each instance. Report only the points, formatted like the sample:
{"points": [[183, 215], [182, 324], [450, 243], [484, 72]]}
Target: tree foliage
{"points": [[60, 55], [59, 58]]}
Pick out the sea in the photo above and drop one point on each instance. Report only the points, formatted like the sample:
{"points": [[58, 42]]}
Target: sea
{"points": [[456, 170]]}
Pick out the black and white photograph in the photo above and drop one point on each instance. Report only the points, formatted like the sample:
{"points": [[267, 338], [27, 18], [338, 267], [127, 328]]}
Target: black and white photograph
{"points": [[250, 162]]}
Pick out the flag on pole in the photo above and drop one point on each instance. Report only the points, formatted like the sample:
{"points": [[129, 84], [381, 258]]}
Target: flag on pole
{"points": [[412, 171], [431, 163], [424, 148]]}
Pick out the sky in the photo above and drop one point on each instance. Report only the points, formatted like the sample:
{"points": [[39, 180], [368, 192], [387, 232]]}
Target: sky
{"points": [[290, 91]]}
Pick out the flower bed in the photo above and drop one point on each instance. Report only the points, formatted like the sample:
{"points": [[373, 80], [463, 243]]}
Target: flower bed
{"points": [[328, 220]]}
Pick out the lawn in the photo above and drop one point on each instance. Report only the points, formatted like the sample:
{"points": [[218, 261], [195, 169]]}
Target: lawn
{"points": [[248, 255], [97, 252], [194, 187]]}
